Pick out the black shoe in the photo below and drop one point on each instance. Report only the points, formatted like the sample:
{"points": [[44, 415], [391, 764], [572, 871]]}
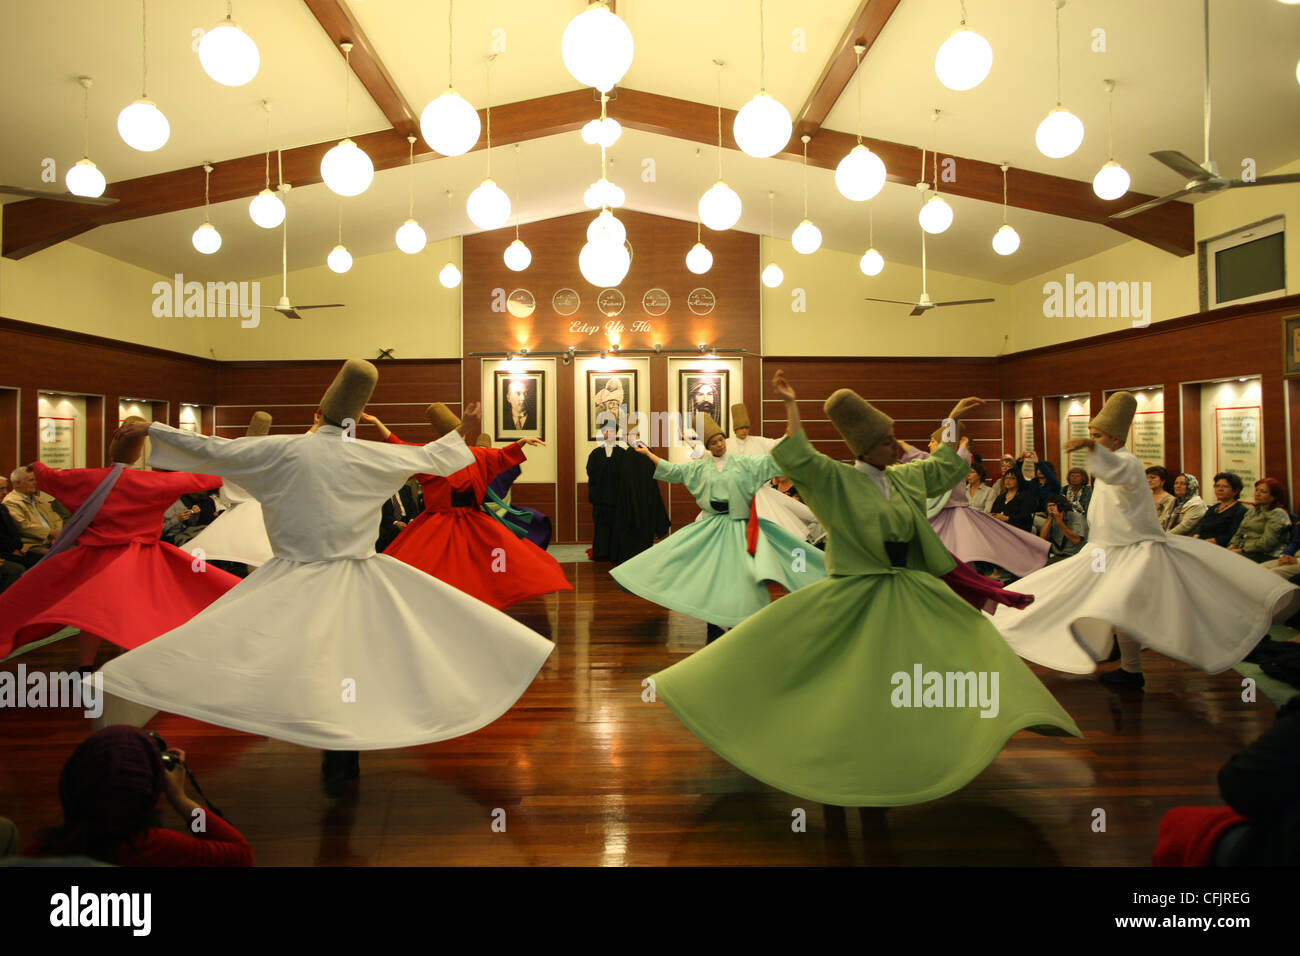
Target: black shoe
{"points": [[1121, 679], [1114, 651], [353, 766], [714, 632], [334, 771]]}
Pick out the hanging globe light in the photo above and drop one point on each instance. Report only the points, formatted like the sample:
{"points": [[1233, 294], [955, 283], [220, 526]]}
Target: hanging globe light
{"points": [[449, 276], [142, 126], [85, 179], [1059, 134], [1006, 240], [606, 227], [1111, 181], [488, 206], [228, 54], [699, 260], [964, 60], [339, 260], [346, 169], [763, 126], [206, 239], [266, 209], [602, 132], [597, 48], [772, 275], [604, 193], [604, 264], [450, 125], [935, 216], [871, 262], [518, 256], [410, 237], [806, 238], [860, 175], [720, 207]]}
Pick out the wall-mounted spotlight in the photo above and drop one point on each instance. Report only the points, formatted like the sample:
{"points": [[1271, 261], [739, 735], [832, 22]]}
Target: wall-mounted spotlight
{"points": [[658, 348], [523, 352], [510, 356], [604, 354], [702, 347]]}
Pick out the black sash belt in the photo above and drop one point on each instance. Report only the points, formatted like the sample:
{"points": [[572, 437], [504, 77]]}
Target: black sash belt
{"points": [[463, 499], [897, 551], [719, 506]]}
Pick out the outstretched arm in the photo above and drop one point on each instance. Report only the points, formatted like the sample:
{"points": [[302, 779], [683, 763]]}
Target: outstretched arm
{"points": [[793, 425]]}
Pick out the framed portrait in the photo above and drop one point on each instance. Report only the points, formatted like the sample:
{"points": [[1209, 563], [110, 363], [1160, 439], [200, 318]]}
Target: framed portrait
{"points": [[707, 392], [1291, 346], [520, 405], [609, 393]]}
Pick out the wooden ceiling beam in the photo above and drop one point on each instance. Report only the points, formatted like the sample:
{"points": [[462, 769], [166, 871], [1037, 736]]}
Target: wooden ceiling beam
{"points": [[864, 28], [36, 224], [340, 26]]}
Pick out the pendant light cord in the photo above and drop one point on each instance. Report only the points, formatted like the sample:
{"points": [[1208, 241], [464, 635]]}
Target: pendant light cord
{"points": [[871, 228], [963, 12], [488, 111], [450, 85], [1004, 194], [1207, 83], [1058, 52], [858, 71], [340, 221], [266, 105], [410, 212], [1110, 121], [517, 181], [805, 176], [347, 91], [771, 215], [762, 50], [144, 49], [719, 120], [207, 176], [85, 117]]}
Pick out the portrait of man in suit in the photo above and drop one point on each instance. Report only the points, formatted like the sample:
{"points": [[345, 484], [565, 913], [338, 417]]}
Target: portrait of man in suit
{"points": [[519, 405]]}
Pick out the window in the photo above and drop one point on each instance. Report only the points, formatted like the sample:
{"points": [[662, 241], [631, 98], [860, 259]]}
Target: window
{"points": [[1247, 265]]}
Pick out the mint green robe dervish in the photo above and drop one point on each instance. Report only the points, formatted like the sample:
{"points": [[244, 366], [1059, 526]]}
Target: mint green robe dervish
{"points": [[705, 569], [857, 691]]}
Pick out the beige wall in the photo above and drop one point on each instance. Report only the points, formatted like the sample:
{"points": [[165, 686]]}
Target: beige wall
{"points": [[393, 300], [838, 320], [71, 287]]}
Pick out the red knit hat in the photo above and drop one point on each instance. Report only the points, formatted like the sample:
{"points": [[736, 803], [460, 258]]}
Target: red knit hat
{"points": [[1188, 835], [112, 780]]}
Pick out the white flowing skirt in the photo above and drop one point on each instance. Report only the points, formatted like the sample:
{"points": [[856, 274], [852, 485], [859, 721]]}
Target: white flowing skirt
{"points": [[1188, 599], [783, 511], [238, 535], [354, 654]]}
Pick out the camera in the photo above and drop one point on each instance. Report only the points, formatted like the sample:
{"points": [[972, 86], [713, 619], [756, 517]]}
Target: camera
{"points": [[169, 761]]}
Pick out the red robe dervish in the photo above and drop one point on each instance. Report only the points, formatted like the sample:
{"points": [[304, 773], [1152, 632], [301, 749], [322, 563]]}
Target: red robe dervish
{"points": [[456, 542], [119, 581]]}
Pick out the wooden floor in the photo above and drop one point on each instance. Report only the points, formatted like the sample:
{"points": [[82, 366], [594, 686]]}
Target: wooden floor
{"points": [[588, 774]]}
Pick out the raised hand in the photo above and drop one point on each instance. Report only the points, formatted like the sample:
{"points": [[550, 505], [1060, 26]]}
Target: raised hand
{"points": [[782, 387], [1074, 444], [531, 441], [964, 406]]}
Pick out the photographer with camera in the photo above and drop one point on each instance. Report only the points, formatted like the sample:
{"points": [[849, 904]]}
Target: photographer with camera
{"points": [[109, 789]]}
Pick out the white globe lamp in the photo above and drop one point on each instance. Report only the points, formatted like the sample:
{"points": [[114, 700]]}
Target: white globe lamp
{"points": [[1006, 240], [206, 239], [597, 48], [860, 175], [762, 127], [720, 207], [410, 237], [964, 60], [85, 179], [518, 256], [1059, 134], [346, 169], [339, 260], [871, 263], [449, 276], [699, 260], [228, 54], [142, 126], [1111, 181], [806, 238], [935, 216], [266, 209], [449, 124], [772, 275]]}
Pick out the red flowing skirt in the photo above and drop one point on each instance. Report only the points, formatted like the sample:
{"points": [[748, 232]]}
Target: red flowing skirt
{"points": [[475, 554], [127, 594]]}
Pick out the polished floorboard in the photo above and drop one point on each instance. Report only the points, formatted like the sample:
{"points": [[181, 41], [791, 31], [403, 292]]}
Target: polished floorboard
{"points": [[582, 772]]}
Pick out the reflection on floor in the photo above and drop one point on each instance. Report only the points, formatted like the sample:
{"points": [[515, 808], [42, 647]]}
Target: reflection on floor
{"points": [[582, 772]]}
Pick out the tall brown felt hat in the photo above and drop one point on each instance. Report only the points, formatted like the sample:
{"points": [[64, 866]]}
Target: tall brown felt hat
{"points": [[859, 423], [739, 417], [442, 418], [349, 393], [706, 427], [484, 440], [127, 450], [1116, 416], [258, 425]]}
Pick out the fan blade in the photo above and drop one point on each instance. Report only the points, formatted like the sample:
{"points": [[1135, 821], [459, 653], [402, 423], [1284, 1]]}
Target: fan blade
{"points": [[57, 197], [332, 305], [1152, 204], [965, 301], [1180, 163], [1267, 180], [918, 308], [892, 301], [289, 313]]}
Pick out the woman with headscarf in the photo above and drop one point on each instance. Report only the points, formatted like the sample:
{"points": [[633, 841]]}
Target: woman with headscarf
{"points": [[706, 569], [109, 789], [1135, 583], [1188, 510], [836, 693]]}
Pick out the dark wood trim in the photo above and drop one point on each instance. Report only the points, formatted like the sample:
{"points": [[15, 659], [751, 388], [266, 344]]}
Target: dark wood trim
{"points": [[85, 338], [340, 27], [864, 28]]}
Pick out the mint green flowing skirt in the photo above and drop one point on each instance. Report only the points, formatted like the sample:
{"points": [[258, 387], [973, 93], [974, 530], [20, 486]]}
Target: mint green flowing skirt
{"points": [[705, 569], [806, 694]]}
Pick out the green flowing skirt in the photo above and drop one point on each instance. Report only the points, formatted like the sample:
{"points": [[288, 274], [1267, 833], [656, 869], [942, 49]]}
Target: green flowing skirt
{"points": [[865, 690], [705, 569]]}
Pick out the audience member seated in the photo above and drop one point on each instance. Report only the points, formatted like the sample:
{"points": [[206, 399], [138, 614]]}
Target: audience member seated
{"points": [[36, 520], [1078, 490], [1265, 528], [1188, 510], [1039, 480], [110, 788], [1286, 564], [1162, 484], [1222, 518], [981, 495], [1015, 504], [180, 522], [1260, 826], [1064, 529]]}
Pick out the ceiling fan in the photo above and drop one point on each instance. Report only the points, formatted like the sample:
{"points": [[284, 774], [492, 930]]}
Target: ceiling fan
{"points": [[284, 307], [1202, 178], [925, 302], [57, 197]]}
